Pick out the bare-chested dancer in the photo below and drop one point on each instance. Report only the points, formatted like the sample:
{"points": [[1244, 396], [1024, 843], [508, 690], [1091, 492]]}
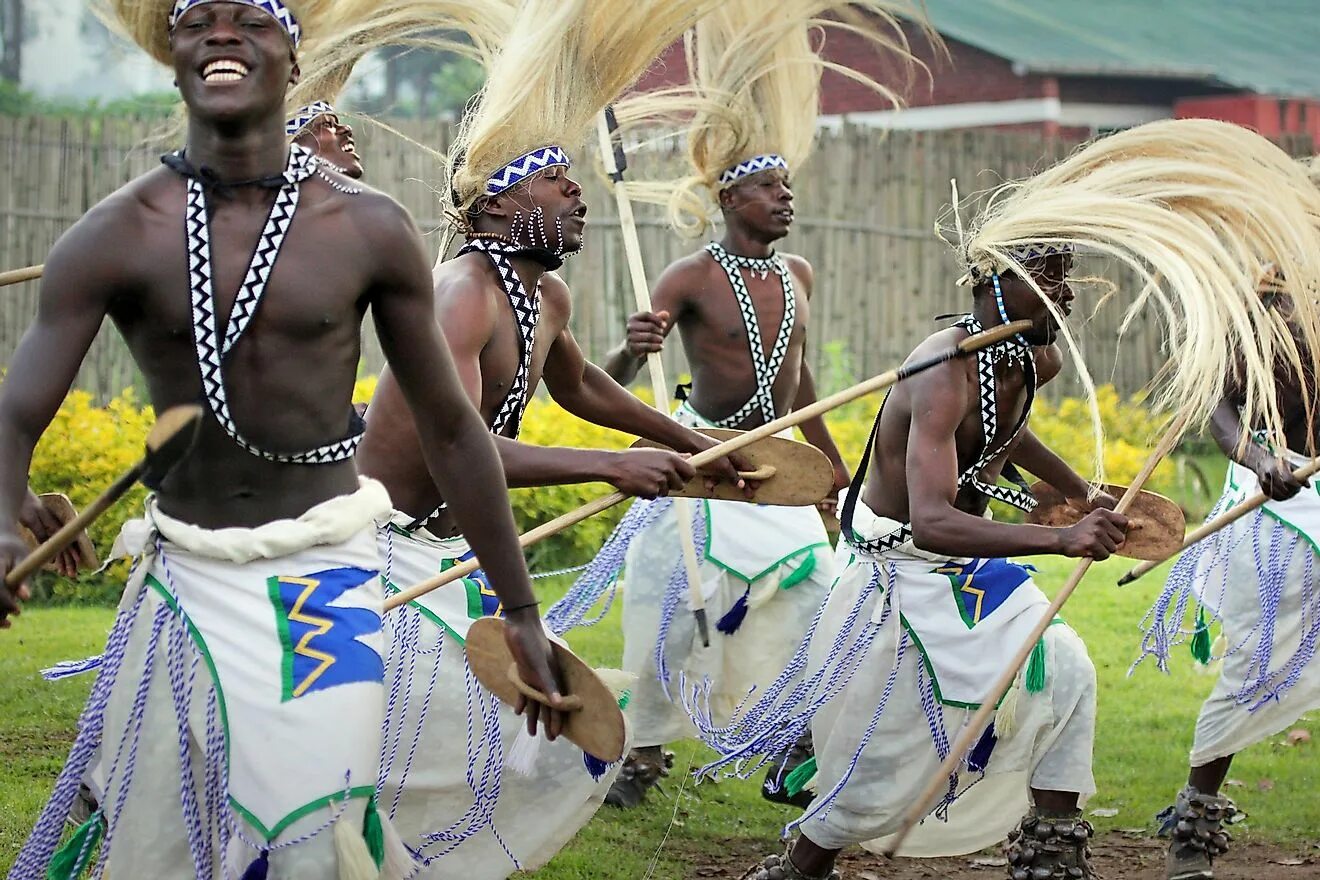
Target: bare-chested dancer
{"points": [[1256, 576], [505, 314], [927, 612], [941, 441], [241, 693], [742, 310]]}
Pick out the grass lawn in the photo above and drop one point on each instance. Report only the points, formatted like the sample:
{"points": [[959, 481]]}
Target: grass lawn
{"points": [[1144, 734]]}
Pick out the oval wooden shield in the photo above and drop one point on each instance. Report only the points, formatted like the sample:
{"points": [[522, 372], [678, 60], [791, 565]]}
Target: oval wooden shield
{"points": [[802, 473], [597, 728], [1156, 525], [63, 510]]}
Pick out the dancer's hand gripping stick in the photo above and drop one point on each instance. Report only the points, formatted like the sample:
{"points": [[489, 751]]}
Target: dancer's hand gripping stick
{"points": [[168, 441], [1232, 515]]}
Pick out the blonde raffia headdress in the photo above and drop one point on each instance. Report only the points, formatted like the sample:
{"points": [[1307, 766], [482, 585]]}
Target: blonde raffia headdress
{"points": [[1200, 210], [754, 92], [149, 23], [561, 63]]}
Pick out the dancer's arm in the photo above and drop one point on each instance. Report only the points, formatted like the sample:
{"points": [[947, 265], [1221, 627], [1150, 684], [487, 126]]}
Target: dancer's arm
{"points": [[1273, 472], [467, 317], [939, 403], [646, 331], [81, 275], [1038, 459], [588, 392]]}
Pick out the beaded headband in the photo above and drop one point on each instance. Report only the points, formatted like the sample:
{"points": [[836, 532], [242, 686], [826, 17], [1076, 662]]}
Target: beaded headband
{"points": [[730, 176], [274, 8], [1038, 250], [304, 116], [524, 167]]}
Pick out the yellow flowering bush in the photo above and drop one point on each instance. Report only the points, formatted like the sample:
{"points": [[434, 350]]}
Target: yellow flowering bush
{"points": [[546, 424], [83, 451], [1130, 430], [86, 448]]}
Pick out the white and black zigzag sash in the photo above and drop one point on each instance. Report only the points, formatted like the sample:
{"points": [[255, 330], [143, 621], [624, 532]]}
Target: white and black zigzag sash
{"points": [[211, 350], [766, 369], [526, 314], [986, 358]]}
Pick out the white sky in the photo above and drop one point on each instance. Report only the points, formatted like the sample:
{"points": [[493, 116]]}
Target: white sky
{"points": [[58, 60]]}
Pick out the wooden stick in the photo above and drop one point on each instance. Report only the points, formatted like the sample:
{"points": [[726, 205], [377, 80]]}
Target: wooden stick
{"points": [[167, 442], [1303, 473], [615, 163], [17, 276], [972, 729], [706, 456]]}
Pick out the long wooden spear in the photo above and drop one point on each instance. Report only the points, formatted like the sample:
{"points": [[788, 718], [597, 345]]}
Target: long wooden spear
{"points": [[971, 731], [616, 162], [706, 456], [1228, 517]]}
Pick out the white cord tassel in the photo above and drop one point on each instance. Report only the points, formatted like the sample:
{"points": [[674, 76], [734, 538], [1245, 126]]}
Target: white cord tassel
{"points": [[355, 862], [524, 753], [399, 863], [1006, 716]]}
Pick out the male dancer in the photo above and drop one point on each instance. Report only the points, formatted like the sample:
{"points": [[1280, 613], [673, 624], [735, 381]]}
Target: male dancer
{"points": [[769, 290], [923, 572], [1255, 577], [256, 556], [940, 443], [742, 311], [505, 315], [317, 127]]}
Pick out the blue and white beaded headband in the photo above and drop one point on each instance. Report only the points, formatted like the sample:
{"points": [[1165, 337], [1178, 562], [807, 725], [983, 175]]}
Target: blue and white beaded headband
{"points": [[524, 167], [274, 8], [304, 116], [1038, 250], [730, 176], [1019, 253]]}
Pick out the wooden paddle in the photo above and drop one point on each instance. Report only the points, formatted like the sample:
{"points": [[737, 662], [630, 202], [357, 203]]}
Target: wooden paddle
{"points": [[593, 720], [876, 383], [17, 276], [789, 473], [1303, 473], [971, 731], [1155, 523], [168, 441], [616, 161]]}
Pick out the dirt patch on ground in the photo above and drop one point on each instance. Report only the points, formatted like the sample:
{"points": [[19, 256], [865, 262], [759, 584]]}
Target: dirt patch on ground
{"points": [[1117, 857]]}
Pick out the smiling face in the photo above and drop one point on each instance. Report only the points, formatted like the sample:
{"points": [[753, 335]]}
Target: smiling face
{"points": [[232, 62], [333, 142], [761, 203], [1021, 302]]}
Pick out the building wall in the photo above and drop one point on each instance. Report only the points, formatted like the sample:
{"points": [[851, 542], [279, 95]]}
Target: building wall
{"points": [[1269, 115], [964, 74], [962, 86]]}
